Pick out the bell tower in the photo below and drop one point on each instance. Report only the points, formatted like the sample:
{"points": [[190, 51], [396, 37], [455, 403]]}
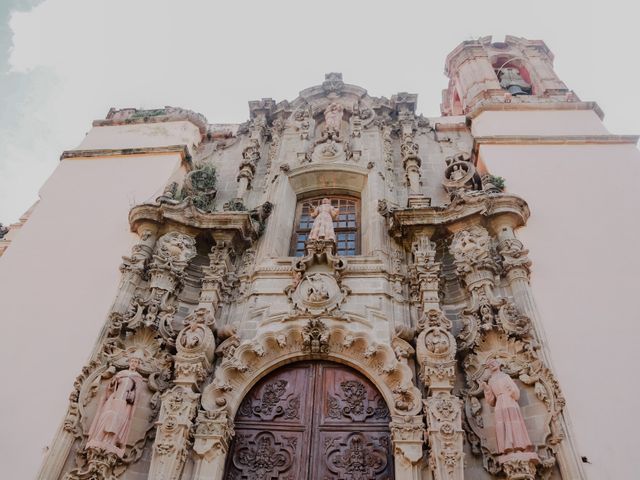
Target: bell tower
{"points": [[516, 70]]}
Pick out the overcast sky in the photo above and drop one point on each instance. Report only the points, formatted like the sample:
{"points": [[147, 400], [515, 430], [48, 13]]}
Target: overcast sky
{"points": [[64, 63]]}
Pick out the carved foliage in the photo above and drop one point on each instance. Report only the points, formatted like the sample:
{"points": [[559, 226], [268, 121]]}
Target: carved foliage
{"points": [[265, 456], [353, 402], [315, 337], [471, 250], [358, 456], [277, 400]]}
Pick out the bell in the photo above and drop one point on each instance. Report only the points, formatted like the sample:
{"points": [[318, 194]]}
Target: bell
{"points": [[516, 90]]}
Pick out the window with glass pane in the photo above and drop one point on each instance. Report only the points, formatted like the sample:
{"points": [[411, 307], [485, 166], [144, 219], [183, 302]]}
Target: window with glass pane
{"points": [[346, 225]]}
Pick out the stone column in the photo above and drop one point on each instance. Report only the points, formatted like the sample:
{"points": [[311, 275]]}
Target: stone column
{"points": [[436, 350], [260, 111], [212, 438], [133, 267], [407, 435], [410, 158]]}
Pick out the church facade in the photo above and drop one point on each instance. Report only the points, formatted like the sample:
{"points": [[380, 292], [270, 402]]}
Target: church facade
{"points": [[338, 288]]}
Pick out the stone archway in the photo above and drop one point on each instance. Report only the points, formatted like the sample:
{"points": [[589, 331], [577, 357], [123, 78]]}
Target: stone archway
{"points": [[311, 420], [244, 364]]}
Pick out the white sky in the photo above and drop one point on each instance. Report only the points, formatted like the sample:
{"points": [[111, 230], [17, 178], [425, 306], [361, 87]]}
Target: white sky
{"points": [[64, 63]]}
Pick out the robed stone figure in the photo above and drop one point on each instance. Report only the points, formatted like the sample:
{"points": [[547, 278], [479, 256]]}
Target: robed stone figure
{"points": [[112, 422], [501, 392], [323, 215]]}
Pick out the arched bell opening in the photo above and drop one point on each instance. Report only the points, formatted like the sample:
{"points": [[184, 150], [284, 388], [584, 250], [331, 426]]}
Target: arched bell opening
{"points": [[312, 420]]}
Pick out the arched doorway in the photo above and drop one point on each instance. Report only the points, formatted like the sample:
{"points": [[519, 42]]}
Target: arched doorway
{"points": [[315, 421]]}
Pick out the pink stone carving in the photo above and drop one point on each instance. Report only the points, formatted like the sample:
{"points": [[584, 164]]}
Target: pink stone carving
{"points": [[502, 393], [324, 215], [333, 117], [110, 427]]}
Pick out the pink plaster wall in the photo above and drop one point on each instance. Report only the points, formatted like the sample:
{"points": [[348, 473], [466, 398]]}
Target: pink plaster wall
{"points": [[543, 122], [142, 134], [583, 236], [58, 279]]}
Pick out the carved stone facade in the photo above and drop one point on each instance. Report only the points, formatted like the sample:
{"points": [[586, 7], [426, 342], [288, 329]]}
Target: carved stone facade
{"points": [[429, 325]]}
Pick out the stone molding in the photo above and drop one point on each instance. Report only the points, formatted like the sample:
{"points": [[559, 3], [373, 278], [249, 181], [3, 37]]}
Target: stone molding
{"points": [[119, 152]]}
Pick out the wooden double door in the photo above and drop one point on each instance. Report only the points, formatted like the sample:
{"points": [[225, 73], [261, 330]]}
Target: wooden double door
{"points": [[312, 421]]}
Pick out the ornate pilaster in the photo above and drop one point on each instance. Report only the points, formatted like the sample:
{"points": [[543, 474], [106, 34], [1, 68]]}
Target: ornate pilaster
{"points": [[195, 346], [216, 274], [407, 435], [436, 350], [214, 430], [133, 266], [500, 350], [155, 310], [252, 152]]}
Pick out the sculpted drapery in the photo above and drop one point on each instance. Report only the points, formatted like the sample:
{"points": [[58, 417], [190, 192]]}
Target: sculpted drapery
{"points": [[502, 393], [112, 422], [324, 215]]}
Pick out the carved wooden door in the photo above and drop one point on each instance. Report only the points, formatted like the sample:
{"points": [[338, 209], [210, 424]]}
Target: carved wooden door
{"points": [[315, 421]]}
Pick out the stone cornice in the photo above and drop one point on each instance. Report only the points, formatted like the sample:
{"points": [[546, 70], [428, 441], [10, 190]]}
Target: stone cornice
{"points": [[118, 152], [465, 209], [556, 139], [529, 106], [235, 225]]}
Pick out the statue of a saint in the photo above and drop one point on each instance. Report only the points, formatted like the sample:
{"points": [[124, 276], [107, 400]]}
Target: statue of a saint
{"points": [[502, 393], [110, 427], [512, 81], [333, 117], [324, 214]]}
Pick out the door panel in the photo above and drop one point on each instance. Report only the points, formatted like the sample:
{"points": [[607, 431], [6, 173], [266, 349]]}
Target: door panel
{"points": [[315, 421]]}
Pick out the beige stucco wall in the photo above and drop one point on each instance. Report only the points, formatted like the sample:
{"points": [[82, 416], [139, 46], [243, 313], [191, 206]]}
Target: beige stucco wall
{"points": [[69, 249], [583, 234]]}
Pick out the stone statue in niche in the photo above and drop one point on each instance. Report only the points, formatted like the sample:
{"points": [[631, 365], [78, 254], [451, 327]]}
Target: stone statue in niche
{"points": [[333, 117], [112, 422], [501, 392], [512, 81], [323, 215]]}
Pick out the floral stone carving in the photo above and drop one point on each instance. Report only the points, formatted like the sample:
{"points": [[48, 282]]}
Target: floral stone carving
{"points": [[263, 457], [357, 458], [353, 403]]}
